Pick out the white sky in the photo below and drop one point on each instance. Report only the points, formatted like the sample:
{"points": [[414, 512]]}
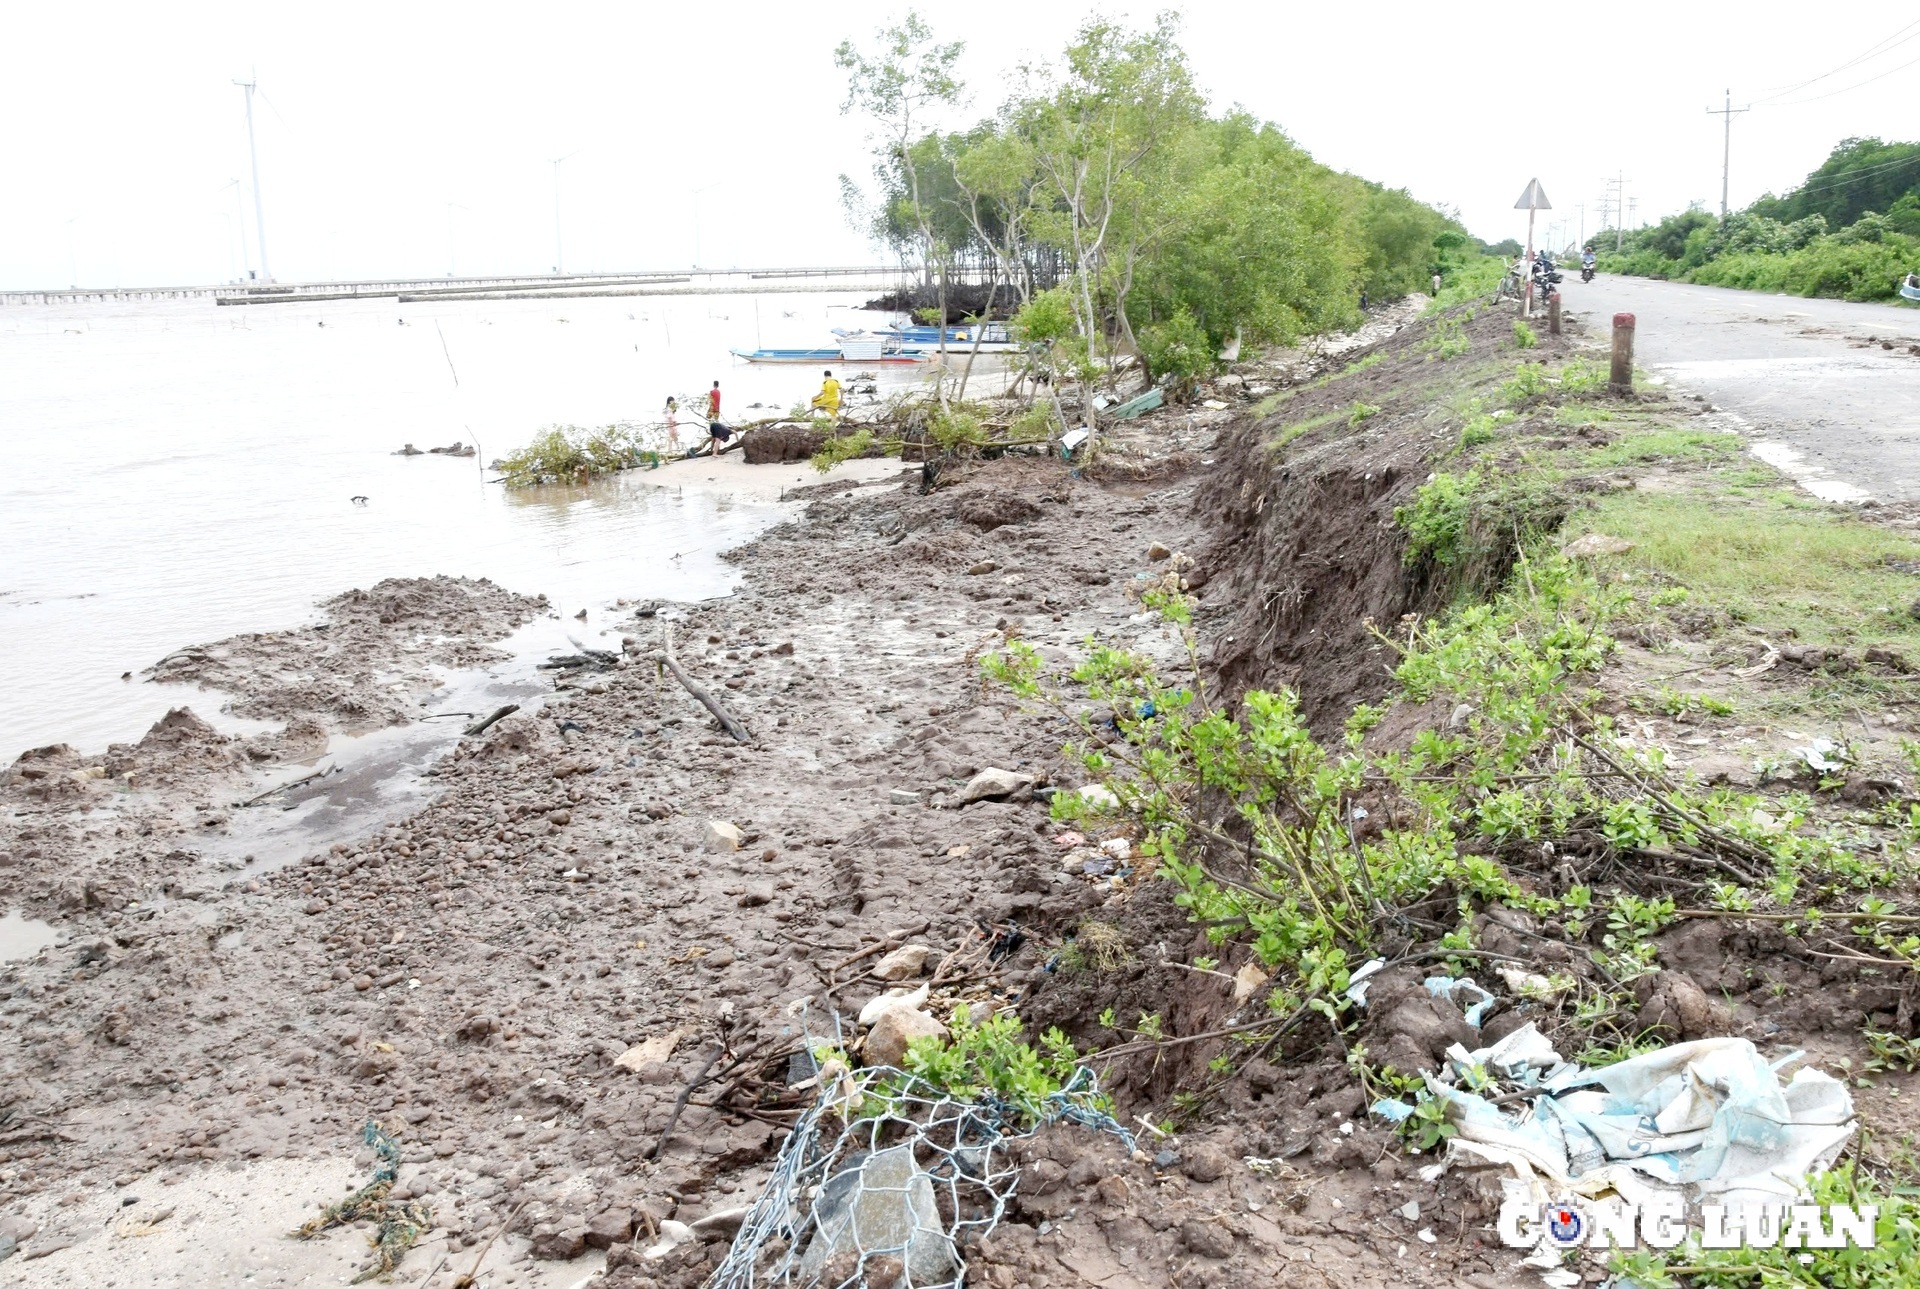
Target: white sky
{"points": [[123, 129]]}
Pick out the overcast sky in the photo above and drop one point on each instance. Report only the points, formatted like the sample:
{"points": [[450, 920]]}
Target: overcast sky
{"points": [[417, 138]]}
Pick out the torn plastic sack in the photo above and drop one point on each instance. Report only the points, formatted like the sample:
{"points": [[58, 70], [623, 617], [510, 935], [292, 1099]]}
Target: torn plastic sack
{"points": [[1712, 1118]]}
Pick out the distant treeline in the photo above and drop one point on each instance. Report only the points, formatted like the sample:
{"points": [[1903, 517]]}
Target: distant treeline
{"points": [[1106, 182], [1851, 231]]}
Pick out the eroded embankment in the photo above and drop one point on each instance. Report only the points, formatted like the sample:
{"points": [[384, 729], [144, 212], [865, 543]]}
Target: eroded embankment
{"points": [[535, 979]]}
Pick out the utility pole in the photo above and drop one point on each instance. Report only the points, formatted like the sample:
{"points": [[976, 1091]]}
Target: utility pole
{"points": [[1726, 156], [259, 211], [559, 264], [1617, 203], [1582, 208], [451, 207]]}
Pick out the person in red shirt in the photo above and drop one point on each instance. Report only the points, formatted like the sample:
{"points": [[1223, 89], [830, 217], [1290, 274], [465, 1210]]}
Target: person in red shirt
{"points": [[717, 433]]}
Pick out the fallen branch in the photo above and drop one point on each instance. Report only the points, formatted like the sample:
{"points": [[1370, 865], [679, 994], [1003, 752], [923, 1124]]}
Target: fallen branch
{"points": [[681, 1104], [480, 727], [728, 722], [257, 798]]}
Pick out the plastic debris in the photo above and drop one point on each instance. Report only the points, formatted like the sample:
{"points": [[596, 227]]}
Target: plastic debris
{"points": [[1358, 979], [1819, 755], [1710, 1118], [1144, 403], [1448, 987]]}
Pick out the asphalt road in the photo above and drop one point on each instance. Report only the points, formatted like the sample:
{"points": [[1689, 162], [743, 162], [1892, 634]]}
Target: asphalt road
{"points": [[1811, 382]]}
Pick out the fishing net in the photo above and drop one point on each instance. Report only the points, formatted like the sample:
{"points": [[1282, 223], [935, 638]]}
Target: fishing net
{"points": [[397, 1225], [887, 1179]]}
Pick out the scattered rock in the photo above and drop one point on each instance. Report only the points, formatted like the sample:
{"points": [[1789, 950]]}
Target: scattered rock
{"points": [[604, 1230], [1100, 798], [981, 569], [1158, 552], [897, 1026], [722, 836], [903, 797], [1205, 1163], [756, 894], [43, 1248], [1674, 1004], [1207, 1239], [657, 1048], [903, 963], [993, 782], [1594, 545]]}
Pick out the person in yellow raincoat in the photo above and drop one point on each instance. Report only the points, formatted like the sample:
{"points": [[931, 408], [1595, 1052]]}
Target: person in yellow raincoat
{"points": [[828, 399]]}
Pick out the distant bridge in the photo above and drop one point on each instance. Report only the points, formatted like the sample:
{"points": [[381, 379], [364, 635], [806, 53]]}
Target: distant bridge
{"points": [[884, 277]]}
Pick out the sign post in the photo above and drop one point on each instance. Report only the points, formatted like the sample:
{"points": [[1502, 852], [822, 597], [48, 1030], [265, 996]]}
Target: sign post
{"points": [[1533, 200]]}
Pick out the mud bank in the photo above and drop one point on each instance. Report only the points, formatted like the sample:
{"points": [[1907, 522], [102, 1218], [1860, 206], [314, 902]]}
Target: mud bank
{"points": [[527, 978]]}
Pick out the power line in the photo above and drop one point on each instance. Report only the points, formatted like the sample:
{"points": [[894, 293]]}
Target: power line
{"points": [[1878, 48], [1850, 88]]}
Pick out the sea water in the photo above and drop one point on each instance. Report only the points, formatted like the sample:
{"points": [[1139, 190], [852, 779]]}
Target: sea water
{"points": [[177, 471]]}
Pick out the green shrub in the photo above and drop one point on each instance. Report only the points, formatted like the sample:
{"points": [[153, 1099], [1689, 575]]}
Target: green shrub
{"points": [[1360, 412], [1177, 352], [1523, 335]]}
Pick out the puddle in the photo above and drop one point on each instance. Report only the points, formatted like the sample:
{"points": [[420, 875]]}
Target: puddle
{"points": [[369, 781], [1811, 477], [23, 937]]}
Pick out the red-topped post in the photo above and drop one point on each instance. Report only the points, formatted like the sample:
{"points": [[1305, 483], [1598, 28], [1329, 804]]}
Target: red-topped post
{"points": [[1620, 380]]}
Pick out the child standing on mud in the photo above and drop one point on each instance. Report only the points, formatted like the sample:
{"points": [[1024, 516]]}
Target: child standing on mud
{"points": [[673, 423]]}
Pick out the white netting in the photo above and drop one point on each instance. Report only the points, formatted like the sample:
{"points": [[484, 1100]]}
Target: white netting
{"points": [[887, 1173]]}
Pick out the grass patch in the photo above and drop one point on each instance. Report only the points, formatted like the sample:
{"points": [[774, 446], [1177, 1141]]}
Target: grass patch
{"points": [[1665, 445], [1271, 403], [1298, 428], [1578, 414], [1820, 573]]}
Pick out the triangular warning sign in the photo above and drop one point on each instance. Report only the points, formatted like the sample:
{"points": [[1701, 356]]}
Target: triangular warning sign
{"points": [[1534, 198]]}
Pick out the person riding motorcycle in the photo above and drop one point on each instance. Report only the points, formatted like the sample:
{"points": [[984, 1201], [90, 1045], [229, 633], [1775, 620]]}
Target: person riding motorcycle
{"points": [[1587, 262]]}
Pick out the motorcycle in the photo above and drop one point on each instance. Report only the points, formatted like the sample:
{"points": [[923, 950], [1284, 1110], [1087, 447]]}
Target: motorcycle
{"points": [[1586, 272], [1545, 276]]}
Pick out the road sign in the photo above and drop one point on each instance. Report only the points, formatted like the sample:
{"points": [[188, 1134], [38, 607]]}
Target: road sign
{"points": [[1534, 198]]}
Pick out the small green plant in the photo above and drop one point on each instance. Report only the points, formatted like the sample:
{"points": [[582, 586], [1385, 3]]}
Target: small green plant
{"points": [[1178, 353], [1360, 412], [1523, 335], [992, 1057], [1449, 339], [1529, 382], [1477, 431], [841, 447]]}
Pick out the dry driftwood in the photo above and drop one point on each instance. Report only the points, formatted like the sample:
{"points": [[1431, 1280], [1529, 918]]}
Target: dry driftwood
{"points": [[480, 727], [728, 721]]}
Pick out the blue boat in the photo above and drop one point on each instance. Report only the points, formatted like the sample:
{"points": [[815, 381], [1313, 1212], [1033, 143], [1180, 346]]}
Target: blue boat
{"points": [[854, 347], [993, 337]]}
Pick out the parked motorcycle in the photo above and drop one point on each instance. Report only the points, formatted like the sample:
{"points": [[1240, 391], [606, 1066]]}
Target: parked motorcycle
{"points": [[1545, 276]]}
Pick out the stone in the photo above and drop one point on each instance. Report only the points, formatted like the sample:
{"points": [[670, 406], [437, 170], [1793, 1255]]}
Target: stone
{"points": [[903, 797], [1099, 798], [1158, 551], [756, 894], [1207, 1239], [604, 1230], [882, 1206], [1205, 1163], [903, 963], [981, 569], [657, 1048], [896, 1027], [993, 782], [722, 836], [1594, 545], [1673, 1004]]}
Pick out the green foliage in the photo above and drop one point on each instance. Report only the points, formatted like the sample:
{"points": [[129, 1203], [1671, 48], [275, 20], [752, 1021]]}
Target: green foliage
{"points": [[957, 429], [1177, 351], [1359, 412], [1523, 335], [569, 454], [1475, 521], [1892, 1263], [992, 1058], [1823, 239], [1528, 384], [1449, 339], [842, 447], [1046, 319]]}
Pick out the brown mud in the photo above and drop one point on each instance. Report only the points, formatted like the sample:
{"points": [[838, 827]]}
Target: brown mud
{"points": [[521, 978]]}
